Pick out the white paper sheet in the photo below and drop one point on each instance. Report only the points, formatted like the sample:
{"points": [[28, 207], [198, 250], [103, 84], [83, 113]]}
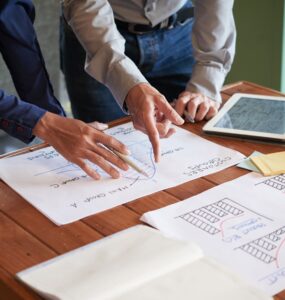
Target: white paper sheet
{"points": [[64, 193], [240, 223], [138, 263]]}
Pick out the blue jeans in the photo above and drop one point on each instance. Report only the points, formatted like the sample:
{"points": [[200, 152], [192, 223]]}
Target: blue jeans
{"points": [[164, 57]]}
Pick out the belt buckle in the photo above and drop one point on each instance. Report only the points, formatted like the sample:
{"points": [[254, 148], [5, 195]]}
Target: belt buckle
{"points": [[132, 29]]}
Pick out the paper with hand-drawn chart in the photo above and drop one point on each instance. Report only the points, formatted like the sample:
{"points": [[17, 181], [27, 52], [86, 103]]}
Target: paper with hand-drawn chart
{"points": [[64, 193], [240, 223]]}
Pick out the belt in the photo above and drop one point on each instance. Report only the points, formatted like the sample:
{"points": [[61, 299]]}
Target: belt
{"points": [[181, 16]]}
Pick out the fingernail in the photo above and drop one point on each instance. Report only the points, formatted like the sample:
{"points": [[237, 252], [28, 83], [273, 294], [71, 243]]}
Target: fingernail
{"points": [[180, 120], [97, 177], [103, 126]]}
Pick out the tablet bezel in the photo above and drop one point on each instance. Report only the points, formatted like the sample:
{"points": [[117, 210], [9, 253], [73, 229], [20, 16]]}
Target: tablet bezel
{"points": [[209, 127]]}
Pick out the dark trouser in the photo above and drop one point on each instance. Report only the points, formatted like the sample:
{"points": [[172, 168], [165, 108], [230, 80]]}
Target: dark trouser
{"points": [[164, 57]]}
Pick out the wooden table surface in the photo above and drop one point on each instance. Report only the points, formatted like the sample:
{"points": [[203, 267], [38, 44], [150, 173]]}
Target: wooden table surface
{"points": [[27, 237]]}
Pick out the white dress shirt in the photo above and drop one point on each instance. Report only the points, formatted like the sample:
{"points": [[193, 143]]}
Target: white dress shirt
{"points": [[213, 40]]}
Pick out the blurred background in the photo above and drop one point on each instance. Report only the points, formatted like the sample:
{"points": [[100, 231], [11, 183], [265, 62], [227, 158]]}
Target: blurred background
{"points": [[259, 57]]}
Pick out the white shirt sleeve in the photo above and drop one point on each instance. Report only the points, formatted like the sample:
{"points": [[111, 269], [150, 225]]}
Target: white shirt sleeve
{"points": [[214, 37], [94, 25]]}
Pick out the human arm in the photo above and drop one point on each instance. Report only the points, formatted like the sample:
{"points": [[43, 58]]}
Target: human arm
{"points": [[93, 23], [75, 140], [81, 143], [213, 39], [22, 54], [27, 118]]}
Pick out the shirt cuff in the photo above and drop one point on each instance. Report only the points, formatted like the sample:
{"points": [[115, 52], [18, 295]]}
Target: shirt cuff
{"points": [[22, 129], [207, 80]]}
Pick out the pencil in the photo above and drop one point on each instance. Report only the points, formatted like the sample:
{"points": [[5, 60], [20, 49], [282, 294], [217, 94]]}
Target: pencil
{"points": [[127, 160]]}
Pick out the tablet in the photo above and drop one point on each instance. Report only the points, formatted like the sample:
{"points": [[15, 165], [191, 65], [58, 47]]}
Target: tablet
{"points": [[250, 116]]}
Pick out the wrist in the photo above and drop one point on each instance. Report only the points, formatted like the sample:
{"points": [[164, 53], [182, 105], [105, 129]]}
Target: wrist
{"points": [[43, 126]]}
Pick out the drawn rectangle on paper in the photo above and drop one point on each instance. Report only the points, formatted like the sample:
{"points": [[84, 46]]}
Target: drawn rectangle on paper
{"points": [[244, 230]]}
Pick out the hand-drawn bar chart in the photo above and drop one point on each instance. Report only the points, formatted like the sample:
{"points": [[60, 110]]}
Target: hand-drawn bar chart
{"points": [[277, 182], [210, 218], [266, 248]]}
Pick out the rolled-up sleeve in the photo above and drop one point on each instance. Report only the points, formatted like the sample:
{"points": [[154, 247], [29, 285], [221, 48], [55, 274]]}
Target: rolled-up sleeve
{"points": [[94, 25], [214, 37]]}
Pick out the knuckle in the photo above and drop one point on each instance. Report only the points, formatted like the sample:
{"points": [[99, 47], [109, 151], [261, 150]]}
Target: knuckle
{"points": [[161, 98], [77, 151], [82, 164], [183, 100], [86, 130], [195, 101], [136, 126], [185, 93]]}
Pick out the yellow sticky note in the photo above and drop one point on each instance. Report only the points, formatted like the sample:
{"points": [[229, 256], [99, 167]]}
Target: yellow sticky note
{"points": [[270, 164]]}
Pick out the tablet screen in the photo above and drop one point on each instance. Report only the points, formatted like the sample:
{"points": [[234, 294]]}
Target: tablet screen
{"points": [[252, 114]]}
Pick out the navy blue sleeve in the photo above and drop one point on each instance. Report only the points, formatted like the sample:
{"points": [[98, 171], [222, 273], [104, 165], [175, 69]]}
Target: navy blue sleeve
{"points": [[18, 117], [20, 50]]}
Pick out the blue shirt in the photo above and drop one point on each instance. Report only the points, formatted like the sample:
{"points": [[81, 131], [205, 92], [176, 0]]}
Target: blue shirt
{"points": [[21, 52]]}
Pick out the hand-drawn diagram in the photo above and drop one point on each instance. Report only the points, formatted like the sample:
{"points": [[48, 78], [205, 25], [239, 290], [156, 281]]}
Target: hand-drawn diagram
{"points": [[65, 193], [240, 223], [266, 248], [217, 218], [277, 182], [212, 218], [142, 156]]}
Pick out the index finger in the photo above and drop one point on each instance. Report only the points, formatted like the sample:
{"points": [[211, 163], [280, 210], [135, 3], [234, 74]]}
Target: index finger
{"points": [[153, 134], [169, 112]]}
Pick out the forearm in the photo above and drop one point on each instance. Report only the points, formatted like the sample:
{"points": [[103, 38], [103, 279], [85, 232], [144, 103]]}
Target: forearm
{"points": [[22, 54], [214, 37], [18, 118], [93, 23]]}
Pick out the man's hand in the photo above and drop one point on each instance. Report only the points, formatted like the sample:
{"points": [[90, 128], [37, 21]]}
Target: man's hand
{"points": [[152, 114], [198, 106], [78, 142]]}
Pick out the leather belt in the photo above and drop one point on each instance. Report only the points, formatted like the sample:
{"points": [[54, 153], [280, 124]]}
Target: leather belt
{"points": [[181, 16]]}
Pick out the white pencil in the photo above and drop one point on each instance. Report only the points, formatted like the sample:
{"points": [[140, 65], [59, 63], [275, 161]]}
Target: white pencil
{"points": [[127, 160]]}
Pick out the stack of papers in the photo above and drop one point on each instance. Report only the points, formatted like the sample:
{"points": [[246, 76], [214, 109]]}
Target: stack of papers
{"points": [[270, 164], [247, 163], [138, 263], [239, 223], [64, 193]]}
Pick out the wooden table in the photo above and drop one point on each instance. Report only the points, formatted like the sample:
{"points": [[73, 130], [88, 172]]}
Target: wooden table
{"points": [[27, 237]]}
